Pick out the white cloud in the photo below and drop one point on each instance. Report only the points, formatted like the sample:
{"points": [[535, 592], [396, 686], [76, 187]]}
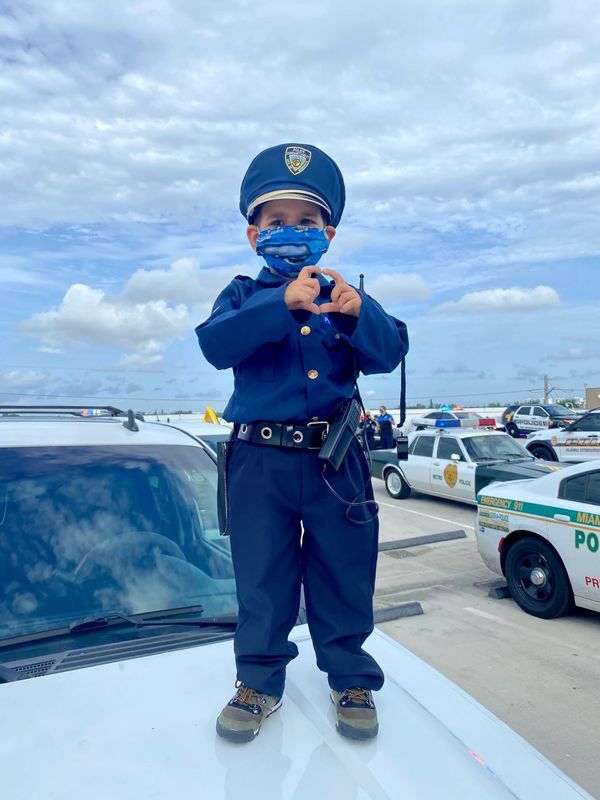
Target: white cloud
{"points": [[182, 282], [87, 314], [515, 299], [392, 288]]}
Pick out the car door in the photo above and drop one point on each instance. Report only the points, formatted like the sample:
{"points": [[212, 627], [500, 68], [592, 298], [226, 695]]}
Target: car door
{"points": [[578, 543], [522, 417], [581, 441], [416, 468], [451, 474], [539, 419]]}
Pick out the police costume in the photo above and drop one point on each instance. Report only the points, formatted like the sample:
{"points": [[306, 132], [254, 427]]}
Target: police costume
{"points": [[292, 372]]}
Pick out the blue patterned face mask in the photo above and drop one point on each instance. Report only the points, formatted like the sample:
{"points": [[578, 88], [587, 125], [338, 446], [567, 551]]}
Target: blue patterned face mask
{"points": [[289, 248]]}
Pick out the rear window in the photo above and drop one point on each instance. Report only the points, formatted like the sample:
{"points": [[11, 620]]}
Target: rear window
{"points": [[575, 488]]}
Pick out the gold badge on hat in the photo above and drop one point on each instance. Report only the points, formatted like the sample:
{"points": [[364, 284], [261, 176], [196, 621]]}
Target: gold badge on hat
{"points": [[297, 159]]}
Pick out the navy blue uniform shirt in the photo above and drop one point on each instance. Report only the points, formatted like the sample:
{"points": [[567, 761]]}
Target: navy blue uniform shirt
{"points": [[291, 366]]}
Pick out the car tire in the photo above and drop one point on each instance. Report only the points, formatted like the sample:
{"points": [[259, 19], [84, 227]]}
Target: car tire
{"points": [[395, 485], [552, 596], [542, 451], [512, 430]]}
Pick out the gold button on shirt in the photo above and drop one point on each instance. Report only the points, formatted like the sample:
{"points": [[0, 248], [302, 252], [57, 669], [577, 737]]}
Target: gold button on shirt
{"points": [[305, 330], [313, 374]]}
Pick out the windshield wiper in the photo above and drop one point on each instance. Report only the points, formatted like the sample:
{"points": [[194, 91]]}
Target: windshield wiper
{"points": [[166, 617], [152, 618]]}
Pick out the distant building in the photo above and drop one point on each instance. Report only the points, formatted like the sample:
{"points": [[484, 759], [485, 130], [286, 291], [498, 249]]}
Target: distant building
{"points": [[592, 397]]}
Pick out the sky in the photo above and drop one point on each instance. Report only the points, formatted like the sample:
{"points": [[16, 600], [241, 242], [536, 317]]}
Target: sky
{"points": [[468, 135]]}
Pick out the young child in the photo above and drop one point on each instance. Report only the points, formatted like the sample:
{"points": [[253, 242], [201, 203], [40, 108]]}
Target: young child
{"points": [[296, 342]]}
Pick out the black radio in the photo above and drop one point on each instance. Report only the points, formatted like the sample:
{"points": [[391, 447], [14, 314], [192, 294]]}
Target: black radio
{"points": [[341, 433]]}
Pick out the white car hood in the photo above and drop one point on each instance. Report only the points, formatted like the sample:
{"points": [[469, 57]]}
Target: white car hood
{"points": [[143, 729]]}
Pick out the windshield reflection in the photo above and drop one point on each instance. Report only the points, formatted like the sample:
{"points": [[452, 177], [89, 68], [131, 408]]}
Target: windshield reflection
{"points": [[93, 530], [499, 446]]}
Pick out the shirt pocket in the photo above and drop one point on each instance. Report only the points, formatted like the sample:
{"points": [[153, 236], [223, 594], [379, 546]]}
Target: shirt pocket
{"points": [[339, 352], [271, 362]]}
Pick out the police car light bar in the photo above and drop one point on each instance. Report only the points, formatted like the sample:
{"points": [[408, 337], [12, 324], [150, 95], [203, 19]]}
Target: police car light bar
{"points": [[447, 423]]}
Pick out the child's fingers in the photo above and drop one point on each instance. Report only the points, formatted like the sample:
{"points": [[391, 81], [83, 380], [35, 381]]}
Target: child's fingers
{"points": [[328, 308], [308, 271], [335, 275]]}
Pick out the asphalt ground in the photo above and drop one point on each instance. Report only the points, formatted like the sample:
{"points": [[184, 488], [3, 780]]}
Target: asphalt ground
{"points": [[541, 677]]}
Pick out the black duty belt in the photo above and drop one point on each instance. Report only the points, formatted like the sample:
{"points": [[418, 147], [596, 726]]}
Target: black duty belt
{"points": [[308, 437]]}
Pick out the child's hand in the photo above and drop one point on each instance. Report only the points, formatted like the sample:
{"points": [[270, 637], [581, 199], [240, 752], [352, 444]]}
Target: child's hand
{"points": [[345, 299], [302, 291]]}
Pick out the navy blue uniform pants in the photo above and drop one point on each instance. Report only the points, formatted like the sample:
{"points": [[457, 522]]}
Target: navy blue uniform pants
{"points": [[287, 527]]}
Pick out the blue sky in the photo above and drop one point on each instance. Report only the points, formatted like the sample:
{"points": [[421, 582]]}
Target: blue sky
{"points": [[469, 138]]}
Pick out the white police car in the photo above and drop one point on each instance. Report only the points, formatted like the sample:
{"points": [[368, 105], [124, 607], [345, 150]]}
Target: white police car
{"points": [[529, 418], [455, 463], [579, 441], [466, 419], [118, 593], [544, 536]]}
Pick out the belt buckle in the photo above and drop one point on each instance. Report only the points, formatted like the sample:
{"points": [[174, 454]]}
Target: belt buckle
{"points": [[324, 434]]}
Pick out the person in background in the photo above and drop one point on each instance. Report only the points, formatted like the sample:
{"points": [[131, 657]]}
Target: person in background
{"points": [[367, 428], [384, 428]]}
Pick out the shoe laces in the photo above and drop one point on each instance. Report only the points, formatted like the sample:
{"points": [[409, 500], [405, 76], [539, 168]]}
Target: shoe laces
{"points": [[248, 697], [356, 695]]}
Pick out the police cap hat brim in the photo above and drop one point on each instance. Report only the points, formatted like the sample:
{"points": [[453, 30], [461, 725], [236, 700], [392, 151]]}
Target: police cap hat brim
{"points": [[296, 172]]}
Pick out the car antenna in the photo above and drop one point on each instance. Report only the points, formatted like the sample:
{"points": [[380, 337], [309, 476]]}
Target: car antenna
{"points": [[130, 422]]}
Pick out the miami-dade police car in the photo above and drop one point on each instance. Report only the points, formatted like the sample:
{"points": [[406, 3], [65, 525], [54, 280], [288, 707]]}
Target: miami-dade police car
{"points": [[116, 617], [544, 536], [455, 463], [579, 441]]}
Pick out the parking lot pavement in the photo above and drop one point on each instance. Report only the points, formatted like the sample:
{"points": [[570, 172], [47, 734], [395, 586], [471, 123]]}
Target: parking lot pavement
{"points": [[542, 677]]}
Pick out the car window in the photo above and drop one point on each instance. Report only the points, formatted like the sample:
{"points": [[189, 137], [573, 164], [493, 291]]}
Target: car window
{"points": [[538, 411], [447, 415], [591, 422], [574, 488], [592, 494], [98, 530], [447, 446], [411, 446], [434, 415], [423, 446], [524, 410]]}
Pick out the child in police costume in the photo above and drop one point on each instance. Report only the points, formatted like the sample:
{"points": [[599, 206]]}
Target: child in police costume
{"points": [[296, 338]]}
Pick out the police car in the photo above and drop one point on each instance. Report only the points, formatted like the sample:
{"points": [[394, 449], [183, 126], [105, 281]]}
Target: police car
{"points": [[116, 617], [467, 419], [579, 441], [525, 419], [455, 463], [544, 536]]}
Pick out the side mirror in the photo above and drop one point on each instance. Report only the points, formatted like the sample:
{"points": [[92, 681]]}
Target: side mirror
{"points": [[402, 448]]}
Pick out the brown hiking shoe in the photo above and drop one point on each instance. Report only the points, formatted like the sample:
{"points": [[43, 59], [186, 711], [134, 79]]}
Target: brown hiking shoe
{"points": [[356, 713], [242, 717]]}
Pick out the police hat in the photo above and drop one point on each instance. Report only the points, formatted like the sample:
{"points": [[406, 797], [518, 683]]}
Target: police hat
{"points": [[294, 172]]}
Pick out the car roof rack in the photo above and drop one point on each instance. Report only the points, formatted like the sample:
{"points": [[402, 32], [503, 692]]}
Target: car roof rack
{"points": [[75, 411]]}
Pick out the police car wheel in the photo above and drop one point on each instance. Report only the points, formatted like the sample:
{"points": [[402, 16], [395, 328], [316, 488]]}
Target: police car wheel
{"points": [[537, 579], [542, 451], [512, 430], [395, 485]]}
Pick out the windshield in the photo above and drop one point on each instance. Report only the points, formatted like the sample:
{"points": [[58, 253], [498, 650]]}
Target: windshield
{"points": [[502, 446], [560, 411], [93, 530]]}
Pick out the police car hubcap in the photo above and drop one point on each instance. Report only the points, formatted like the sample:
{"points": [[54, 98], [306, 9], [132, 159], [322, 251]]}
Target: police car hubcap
{"points": [[394, 482], [538, 577]]}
